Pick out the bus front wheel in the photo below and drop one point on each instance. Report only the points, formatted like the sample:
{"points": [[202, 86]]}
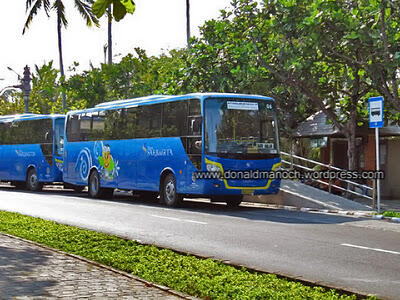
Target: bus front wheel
{"points": [[32, 181], [95, 190], [168, 194]]}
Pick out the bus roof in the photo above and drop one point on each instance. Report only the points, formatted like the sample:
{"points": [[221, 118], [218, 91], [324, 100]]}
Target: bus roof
{"points": [[22, 117], [155, 99]]}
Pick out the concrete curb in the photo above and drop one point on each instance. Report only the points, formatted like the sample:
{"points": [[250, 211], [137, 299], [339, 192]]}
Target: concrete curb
{"points": [[391, 219], [359, 214]]}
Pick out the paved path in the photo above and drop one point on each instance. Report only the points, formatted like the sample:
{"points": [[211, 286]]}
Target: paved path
{"points": [[28, 271]]}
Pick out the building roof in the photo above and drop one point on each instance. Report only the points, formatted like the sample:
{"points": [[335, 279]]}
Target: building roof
{"points": [[317, 126]]}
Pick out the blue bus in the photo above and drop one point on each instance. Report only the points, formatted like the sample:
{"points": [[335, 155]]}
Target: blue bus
{"points": [[158, 145], [31, 150]]}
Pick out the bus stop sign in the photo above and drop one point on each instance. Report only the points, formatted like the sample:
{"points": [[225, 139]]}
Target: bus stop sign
{"points": [[376, 112]]}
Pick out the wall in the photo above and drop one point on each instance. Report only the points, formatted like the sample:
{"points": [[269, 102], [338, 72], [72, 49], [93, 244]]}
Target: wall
{"points": [[392, 176]]}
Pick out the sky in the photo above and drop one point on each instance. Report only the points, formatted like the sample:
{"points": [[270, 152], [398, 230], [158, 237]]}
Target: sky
{"points": [[156, 26]]}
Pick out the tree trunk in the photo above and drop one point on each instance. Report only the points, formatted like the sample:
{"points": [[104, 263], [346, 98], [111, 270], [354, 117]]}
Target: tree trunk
{"points": [[351, 144], [60, 55], [351, 141], [109, 43], [188, 23]]}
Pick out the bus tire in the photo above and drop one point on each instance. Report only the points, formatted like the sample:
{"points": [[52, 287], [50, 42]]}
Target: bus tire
{"points": [[168, 194], [234, 201], [94, 188], [32, 181]]}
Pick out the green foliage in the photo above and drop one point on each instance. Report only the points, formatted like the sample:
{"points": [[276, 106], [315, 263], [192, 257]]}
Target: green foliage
{"points": [[308, 55], [11, 102], [204, 278], [131, 77], [393, 214], [120, 8], [46, 90]]}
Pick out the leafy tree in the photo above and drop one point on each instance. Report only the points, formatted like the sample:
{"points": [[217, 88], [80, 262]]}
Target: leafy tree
{"points": [[46, 90], [83, 6], [133, 76], [119, 8], [290, 39], [11, 102], [374, 27], [223, 60]]}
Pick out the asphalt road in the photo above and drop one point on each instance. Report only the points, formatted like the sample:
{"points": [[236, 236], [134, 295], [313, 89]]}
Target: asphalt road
{"points": [[360, 255]]}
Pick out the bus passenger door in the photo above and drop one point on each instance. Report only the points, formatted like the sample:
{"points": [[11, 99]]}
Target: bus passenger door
{"points": [[59, 144]]}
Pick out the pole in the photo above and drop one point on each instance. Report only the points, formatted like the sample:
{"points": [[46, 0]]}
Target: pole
{"points": [[378, 187], [26, 87], [188, 23]]}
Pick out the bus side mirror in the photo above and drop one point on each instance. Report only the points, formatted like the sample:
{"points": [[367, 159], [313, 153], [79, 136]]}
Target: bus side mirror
{"points": [[46, 136], [195, 125]]}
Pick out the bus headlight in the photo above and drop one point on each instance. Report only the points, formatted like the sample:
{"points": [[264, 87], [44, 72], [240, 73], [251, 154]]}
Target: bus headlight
{"points": [[213, 168]]}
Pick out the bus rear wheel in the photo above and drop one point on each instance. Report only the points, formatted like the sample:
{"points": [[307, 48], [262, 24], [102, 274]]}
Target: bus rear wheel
{"points": [[95, 190], [168, 194], [32, 181]]}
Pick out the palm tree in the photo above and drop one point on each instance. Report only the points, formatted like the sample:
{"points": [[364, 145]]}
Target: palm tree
{"points": [[109, 35], [84, 8]]}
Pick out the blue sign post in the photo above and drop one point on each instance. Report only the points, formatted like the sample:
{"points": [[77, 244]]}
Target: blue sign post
{"points": [[376, 121]]}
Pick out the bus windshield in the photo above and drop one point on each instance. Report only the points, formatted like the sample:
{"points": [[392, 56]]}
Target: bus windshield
{"points": [[240, 127]]}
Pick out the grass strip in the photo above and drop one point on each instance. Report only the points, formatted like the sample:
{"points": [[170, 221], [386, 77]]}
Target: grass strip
{"points": [[205, 278], [393, 214]]}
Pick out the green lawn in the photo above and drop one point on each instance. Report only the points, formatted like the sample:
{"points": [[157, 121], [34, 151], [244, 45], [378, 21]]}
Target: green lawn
{"points": [[205, 278]]}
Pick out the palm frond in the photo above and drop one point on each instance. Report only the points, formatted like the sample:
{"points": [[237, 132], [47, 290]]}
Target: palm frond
{"points": [[34, 7], [85, 9], [59, 7]]}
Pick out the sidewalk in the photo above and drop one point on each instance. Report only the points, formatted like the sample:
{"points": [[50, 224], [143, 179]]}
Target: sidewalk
{"points": [[29, 271], [386, 204]]}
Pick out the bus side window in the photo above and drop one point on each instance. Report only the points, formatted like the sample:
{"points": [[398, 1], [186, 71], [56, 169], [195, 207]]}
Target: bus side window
{"points": [[149, 121], [85, 127], [174, 119], [131, 123], [73, 131], [98, 126]]}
